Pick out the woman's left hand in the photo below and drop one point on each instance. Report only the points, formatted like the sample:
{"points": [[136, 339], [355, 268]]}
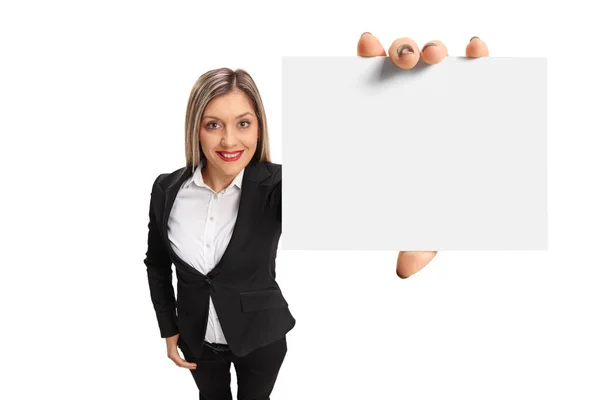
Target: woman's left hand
{"points": [[405, 53]]}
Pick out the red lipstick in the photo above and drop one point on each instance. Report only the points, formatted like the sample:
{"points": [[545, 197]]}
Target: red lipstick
{"points": [[230, 156]]}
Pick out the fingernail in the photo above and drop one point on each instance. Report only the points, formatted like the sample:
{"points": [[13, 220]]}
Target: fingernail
{"points": [[405, 49], [429, 44], [366, 33], [473, 38]]}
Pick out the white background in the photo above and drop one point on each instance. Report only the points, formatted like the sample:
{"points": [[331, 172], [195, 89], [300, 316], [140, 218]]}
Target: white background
{"points": [[93, 98]]}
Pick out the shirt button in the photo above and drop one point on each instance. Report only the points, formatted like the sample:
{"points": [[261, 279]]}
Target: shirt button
{"points": [[212, 218], [208, 245]]}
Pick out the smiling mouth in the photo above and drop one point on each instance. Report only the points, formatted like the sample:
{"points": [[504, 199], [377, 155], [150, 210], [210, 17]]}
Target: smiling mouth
{"points": [[230, 156]]}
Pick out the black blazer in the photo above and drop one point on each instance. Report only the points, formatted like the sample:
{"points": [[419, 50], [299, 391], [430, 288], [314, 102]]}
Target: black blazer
{"points": [[248, 301]]}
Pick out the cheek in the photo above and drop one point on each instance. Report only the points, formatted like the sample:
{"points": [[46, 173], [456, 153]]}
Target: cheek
{"points": [[206, 140], [251, 141]]}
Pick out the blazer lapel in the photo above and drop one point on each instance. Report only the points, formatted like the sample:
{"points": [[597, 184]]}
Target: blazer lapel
{"points": [[170, 196], [252, 201]]}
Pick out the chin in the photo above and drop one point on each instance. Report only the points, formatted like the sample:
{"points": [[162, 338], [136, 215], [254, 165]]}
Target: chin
{"points": [[233, 168]]}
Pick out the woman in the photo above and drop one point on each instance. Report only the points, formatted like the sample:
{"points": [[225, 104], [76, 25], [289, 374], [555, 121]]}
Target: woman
{"points": [[219, 221]]}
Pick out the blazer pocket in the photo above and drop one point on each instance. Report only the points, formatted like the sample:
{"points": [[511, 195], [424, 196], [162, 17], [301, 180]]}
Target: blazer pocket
{"points": [[262, 300]]}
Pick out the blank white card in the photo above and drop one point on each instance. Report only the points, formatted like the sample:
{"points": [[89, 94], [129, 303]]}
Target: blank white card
{"points": [[443, 157]]}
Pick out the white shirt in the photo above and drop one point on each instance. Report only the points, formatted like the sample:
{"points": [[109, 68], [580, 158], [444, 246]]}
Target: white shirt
{"points": [[200, 228]]}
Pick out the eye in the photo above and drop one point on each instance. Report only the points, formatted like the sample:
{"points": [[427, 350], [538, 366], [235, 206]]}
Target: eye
{"points": [[210, 125], [245, 122]]}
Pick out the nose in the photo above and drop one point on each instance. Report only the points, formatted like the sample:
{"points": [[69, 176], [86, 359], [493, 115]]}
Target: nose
{"points": [[228, 139]]}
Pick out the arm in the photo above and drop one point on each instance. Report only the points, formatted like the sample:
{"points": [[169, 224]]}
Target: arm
{"points": [[411, 262], [276, 195], [279, 203], [158, 267]]}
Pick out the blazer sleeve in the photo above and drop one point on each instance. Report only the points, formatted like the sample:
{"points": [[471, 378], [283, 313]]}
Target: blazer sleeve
{"points": [[276, 194], [160, 276]]}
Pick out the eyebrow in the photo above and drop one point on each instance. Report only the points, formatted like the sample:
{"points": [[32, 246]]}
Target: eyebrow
{"points": [[239, 116]]}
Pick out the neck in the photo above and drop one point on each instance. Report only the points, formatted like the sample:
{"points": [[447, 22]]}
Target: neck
{"points": [[216, 181]]}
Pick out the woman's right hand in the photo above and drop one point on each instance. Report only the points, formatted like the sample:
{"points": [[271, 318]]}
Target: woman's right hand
{"points": [[173, 353]]}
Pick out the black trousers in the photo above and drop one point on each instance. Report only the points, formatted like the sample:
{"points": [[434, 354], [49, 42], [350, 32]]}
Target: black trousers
{"points": [[256, 372]]}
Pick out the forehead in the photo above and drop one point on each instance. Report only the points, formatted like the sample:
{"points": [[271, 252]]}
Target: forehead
{"points": [[231, 103]]}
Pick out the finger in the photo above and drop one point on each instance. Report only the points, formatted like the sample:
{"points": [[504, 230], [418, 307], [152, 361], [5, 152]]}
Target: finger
{"points": [[180, 362], [187, 365], [369, 46], [404, 53], [477, 48], [433, 52]]}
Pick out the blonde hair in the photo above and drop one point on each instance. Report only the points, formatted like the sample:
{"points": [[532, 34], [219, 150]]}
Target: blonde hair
{"points": [[215, 83]]}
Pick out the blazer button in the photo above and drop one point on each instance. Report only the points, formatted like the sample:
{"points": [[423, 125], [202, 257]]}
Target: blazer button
{"points": [[208, 281]]}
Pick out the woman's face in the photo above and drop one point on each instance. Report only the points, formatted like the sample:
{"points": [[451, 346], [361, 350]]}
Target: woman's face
{"points": [[229, 133]]}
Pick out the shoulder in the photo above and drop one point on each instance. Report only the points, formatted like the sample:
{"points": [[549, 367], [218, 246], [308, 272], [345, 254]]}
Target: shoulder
{"points": [[163, 180], [272, 167], [274, 170]]}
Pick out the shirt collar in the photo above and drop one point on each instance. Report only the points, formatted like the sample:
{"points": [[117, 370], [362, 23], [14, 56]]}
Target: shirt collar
{"points": [[199, 180]]}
